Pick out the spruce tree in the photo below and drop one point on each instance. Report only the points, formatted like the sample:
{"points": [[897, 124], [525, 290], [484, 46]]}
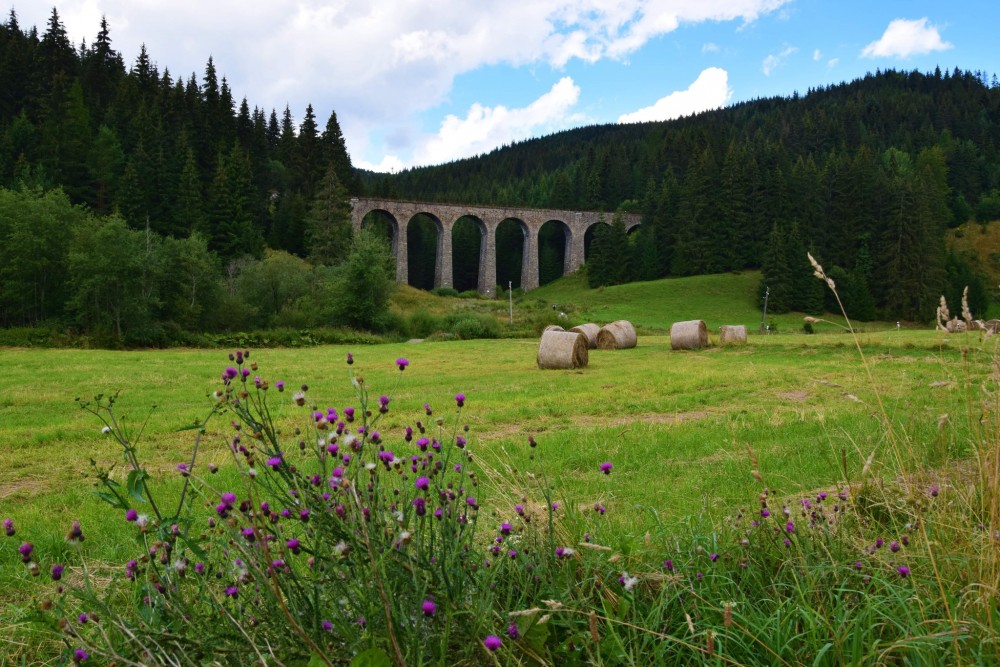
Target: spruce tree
{"points": [[328, 227], [335, 152], [776, 275]]}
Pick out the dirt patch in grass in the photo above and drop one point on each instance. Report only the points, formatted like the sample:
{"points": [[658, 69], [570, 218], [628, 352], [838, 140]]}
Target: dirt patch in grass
{"points": [[21, 488], [796, 396]]}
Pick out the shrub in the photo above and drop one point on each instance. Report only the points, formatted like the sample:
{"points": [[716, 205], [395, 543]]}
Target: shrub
{"points": [[421, 324], [470, 326], [445, 291]]}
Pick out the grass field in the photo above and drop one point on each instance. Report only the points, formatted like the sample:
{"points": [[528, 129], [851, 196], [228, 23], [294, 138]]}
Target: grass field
{"points": [[686, 431], [679, 425]]}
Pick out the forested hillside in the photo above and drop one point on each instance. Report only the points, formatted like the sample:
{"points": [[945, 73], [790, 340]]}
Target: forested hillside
{"points": [[866, 174], [137, 204], [205, 197]]}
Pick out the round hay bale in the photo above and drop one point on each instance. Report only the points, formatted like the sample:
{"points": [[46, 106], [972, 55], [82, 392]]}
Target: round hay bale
{"points": [[732, 334], [690, 335], [590, 331], [553, 327], [562, 349], [619, 335]]}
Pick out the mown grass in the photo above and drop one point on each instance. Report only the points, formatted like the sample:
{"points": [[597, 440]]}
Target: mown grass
{"points": [[694, 436], [680, 426]]}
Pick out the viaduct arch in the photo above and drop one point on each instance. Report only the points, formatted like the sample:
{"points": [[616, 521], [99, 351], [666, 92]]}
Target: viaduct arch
{"points": [[488, 218]]}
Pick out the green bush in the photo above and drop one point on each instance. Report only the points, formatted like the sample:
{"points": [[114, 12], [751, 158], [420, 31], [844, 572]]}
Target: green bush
{"points": [[421, 324], [445, 291], [470, 326]]}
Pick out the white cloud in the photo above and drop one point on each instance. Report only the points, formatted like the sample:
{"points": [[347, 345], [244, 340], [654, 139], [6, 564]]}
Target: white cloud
{"points": [[832, 62], [817, 55], [709, 91], [772, 62], [485, 128], [710, 47], [904, 38], [378, 63]]}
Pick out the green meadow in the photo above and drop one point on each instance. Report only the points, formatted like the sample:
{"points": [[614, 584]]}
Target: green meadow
{"points": [[694, 436]]}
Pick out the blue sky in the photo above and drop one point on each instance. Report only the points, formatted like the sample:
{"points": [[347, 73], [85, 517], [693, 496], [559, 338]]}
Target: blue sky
{"points": [[416, 82]]}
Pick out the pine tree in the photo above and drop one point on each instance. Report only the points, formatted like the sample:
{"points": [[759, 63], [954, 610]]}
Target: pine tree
{"points": [[335, 152], [776, 275], [189, 212], [231, 228], [328, 228], [308, 155]]}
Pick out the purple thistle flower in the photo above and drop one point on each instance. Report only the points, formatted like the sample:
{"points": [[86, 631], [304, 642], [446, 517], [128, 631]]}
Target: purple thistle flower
{"points": [[229, 498], [512, 553], [790, 527], [79, 655], [293, 545], [788, 542], [669, 565], [858, 565], [765, 512], [25, 551], [274, 462], [492, 643], [512, 631], [57, 572], [429, 608], [519, 509], [422, 483], [460, 442], [82, 618], [350, 358], [245, 373], [460, 399], [349, 414], [606, 467], [713, 557], [232, 592], [505, 528], [894, 546], [326, 625], [230, 372], [935, 490], [879, 542], [198, 567], [402, 363], [471, 502], [280, 385], [903, 570], [8, 527], [420, 505], [131, 515]]}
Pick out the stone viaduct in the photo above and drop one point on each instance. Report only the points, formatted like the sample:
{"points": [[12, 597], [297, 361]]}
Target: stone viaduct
{"points": [[574, 225]]}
